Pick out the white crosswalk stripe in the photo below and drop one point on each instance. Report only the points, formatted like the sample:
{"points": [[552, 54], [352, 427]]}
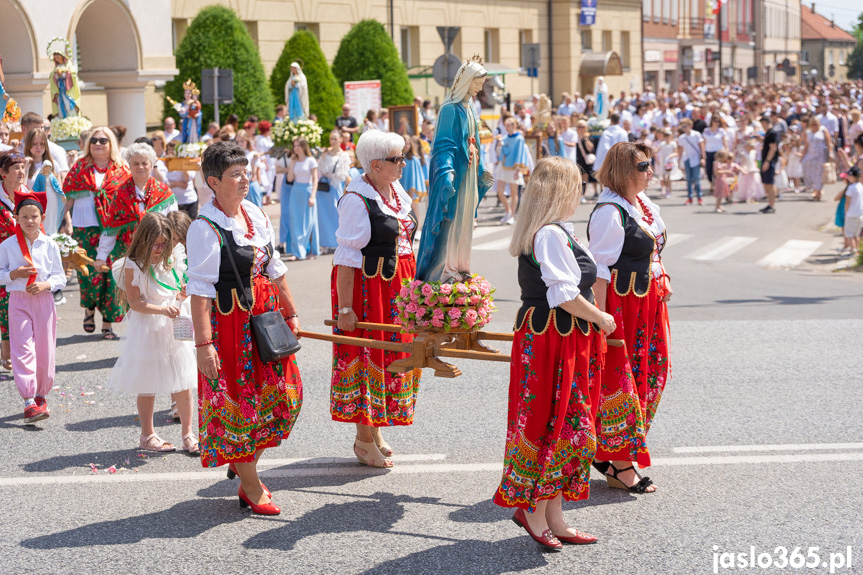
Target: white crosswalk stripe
{"points": [[791, 254], [492, 245], [674, 239], [722, 248]]}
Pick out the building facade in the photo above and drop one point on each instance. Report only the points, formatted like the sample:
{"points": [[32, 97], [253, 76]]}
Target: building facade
{"points": [[825, 48], [122, 48], [662, 20], [777, 29]]}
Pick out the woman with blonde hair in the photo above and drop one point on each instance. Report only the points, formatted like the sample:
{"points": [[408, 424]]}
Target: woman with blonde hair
{"points": [[99, 172], [626, 237], [553, 387], [302, 206]]}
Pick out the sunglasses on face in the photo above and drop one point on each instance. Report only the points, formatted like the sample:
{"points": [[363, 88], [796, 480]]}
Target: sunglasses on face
{"points": [[642, 166], [100, 141], [395, 159]]}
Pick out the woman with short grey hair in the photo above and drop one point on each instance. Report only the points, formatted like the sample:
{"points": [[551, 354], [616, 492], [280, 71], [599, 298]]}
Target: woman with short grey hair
{"points": [[374, 255]]}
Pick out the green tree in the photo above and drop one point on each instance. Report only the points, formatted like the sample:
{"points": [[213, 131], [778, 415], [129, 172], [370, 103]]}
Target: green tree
{"points": [[855, 59], [217, 38], [368, 53], [325, 95]]}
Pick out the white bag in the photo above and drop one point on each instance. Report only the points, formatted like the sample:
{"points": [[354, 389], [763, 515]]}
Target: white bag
{"points": [[183, 328]]}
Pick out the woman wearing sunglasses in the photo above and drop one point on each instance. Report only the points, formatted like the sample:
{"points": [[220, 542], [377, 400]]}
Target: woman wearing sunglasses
{"points": [[99, 172], [626, 237], [375, 252]]}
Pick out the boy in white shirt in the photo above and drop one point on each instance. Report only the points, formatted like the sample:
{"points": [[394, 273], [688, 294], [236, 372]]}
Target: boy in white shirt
{"points": [[853, 211], [31, 269]]}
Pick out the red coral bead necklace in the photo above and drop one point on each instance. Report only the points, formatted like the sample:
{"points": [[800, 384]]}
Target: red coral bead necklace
{"points": [[398, 207], [648, 215], [251, 233]]}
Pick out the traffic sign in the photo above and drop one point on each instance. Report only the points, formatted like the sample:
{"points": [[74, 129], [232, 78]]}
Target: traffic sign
{"points": [[533, 72], [447, 35], [530, 56], [445, 68]]}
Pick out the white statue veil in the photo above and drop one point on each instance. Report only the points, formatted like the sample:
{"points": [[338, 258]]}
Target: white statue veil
{"points": [[466, 74]]}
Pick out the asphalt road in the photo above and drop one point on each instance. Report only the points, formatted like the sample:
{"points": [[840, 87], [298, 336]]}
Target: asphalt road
{"points": [[758, 441]]}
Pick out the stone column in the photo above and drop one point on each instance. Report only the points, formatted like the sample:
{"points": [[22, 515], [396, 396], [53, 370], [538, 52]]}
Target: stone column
{"points": [[126, 107], [28, 91]]}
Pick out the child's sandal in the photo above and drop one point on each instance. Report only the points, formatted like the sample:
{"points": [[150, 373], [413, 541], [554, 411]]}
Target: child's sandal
{"points": [[154, 443]]}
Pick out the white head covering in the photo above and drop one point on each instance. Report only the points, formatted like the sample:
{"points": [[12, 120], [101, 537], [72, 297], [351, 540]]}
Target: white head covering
{"points": [[466, 74]]}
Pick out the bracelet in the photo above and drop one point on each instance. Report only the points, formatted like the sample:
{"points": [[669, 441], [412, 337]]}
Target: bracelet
{"points": [[205, 343], [292, 316]]}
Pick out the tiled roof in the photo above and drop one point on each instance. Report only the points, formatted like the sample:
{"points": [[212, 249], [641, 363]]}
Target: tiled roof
{"points": [[814, 26]]}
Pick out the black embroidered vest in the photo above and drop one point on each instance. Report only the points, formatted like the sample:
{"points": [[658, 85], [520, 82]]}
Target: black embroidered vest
{"points": [[534, 293], [227, 294], [631, 271], [380, 255]]}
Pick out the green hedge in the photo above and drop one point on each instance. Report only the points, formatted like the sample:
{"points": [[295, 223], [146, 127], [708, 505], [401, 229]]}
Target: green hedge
{"points": [[325, 95], [367, 53], [217, 38]]}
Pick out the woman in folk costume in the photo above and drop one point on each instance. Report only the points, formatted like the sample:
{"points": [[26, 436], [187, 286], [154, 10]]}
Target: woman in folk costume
{"points": [[100, 172], [557, 356], [297, 94], [140, 194], [626, 237], [457, 181], [375, 253]]}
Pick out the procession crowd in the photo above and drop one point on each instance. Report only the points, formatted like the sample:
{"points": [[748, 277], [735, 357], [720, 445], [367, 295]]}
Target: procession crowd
{"points": [[189, 261]]}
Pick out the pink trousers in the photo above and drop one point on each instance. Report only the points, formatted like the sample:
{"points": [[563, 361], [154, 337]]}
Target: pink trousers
{"points": [[32, 341]]}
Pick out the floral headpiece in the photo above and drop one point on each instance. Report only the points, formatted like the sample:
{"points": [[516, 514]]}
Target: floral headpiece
{"points": [[59, 46]]}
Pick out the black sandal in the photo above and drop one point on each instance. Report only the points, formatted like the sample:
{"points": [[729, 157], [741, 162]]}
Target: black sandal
{"points": [[109, 335], [90, 322], [601, 466], [613, 481]]}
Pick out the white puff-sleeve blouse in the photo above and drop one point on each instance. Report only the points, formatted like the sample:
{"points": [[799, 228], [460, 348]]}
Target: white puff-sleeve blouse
{"points": [[606, 230], [355, 228], [559, 268], [205, 253]]}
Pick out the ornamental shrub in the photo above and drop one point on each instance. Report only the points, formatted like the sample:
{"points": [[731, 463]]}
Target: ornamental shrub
{"points": [[325, 95], [367, 53], [217, 38]]}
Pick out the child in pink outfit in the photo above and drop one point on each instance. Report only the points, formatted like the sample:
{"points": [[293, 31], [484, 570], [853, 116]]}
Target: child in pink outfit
{"points": [[31, 269]]}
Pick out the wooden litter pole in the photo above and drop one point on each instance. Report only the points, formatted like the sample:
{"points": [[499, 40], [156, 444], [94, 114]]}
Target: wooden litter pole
{"points": [[467, 354], [358, 341], [369, 326]]}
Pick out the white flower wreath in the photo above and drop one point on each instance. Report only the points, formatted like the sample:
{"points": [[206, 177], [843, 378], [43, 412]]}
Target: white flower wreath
{"points": [[67, 48]]}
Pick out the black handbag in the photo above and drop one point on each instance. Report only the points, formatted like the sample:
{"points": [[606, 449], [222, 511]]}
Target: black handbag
{"points": [[323, 185], [273, 337]]}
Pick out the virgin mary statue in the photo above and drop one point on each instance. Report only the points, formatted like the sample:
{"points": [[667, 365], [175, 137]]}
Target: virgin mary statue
{"points": [[457, 182], [297, 94]]}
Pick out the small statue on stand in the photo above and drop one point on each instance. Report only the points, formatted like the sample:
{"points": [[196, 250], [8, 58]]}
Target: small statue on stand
{"points": [[297, 94], [601, 98], [457, 182], [65, 92], [190, 113], [543, 111]]}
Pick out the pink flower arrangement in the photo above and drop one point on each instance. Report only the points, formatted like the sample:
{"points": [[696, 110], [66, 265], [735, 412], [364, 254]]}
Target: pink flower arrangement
{"points": [[467, 305]]}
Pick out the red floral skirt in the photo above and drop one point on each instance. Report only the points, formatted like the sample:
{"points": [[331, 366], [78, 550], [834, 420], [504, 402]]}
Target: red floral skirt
{"points": [[251, 405], [657, 365], [550, 435], [362, 390], [620, 422]]}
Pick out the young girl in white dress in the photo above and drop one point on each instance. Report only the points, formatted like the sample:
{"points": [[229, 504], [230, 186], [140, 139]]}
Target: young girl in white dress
{"points": [[666, 153], [151, 361]]}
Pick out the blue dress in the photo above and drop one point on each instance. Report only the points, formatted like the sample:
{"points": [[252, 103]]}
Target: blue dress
{"points": [[295, 105], [413, 178], [303, 234], [514, 152]]}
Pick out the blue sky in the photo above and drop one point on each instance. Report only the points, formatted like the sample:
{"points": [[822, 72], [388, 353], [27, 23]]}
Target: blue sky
{"points": [[844, 12]]}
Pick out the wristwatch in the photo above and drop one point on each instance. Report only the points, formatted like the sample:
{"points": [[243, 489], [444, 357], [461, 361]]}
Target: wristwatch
{"points": [[344, 310]]}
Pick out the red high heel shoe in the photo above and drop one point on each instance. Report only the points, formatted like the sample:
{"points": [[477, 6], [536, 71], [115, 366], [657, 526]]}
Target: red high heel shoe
{"points": [[265, 509], [232, 472], [547, 539]]}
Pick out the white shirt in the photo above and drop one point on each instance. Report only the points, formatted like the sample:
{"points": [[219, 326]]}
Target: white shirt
{"points": [[160, 171], [205, 252], [829, 121], [715, 141], [46, 259], [606, 231], [355, 228], [690, 147], [610, 136], [84, 210], [184, 192], [107, 242], [557, 263], [173, 135], [303, 170], [854, 197], [570, 152]]}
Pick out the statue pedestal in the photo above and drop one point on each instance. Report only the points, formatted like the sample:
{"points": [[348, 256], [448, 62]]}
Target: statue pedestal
{"points": [[430, 344]]}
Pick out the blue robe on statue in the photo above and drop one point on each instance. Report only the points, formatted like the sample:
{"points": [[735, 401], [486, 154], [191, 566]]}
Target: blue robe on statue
{"points": [[452, 174]]}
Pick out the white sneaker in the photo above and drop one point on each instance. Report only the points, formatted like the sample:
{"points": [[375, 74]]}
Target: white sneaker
{"points": [[510, 221], [504, 219]]}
